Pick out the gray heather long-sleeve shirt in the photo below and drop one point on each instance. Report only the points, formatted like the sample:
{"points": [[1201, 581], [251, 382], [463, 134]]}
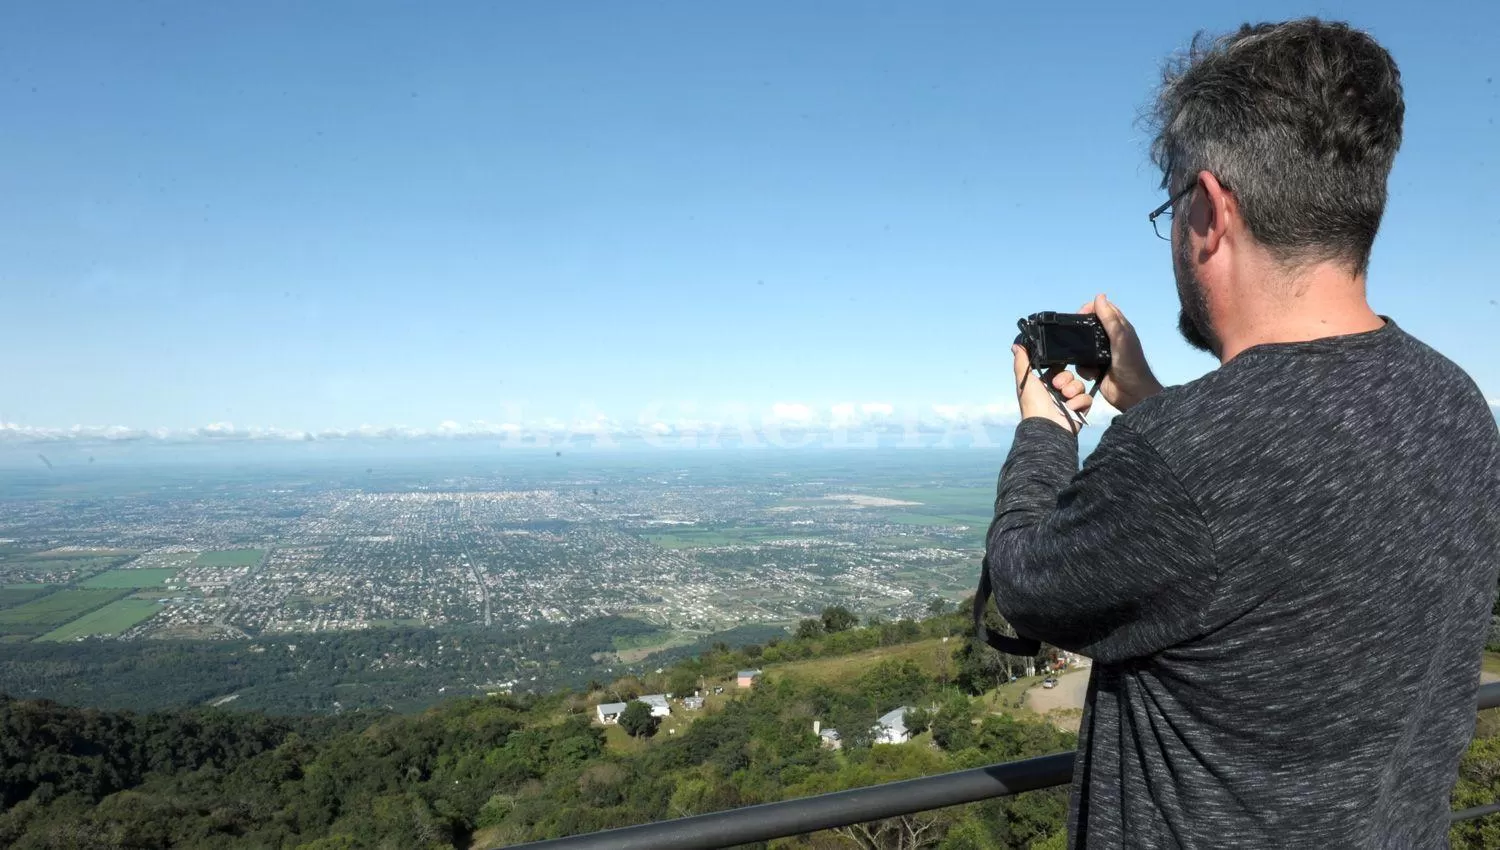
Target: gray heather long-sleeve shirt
{"points": [[1283, 572]]}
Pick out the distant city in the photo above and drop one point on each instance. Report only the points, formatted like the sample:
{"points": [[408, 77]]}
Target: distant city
{"points": [[690, 544]]}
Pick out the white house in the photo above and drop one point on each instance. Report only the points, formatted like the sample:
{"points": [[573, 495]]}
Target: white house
{"points": [[692, 703], [891, 727], [658, 703], [828, 739], [609, 712]]}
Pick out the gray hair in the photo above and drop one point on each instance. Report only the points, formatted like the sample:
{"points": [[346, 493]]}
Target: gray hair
{"points": [[1301, 120]]}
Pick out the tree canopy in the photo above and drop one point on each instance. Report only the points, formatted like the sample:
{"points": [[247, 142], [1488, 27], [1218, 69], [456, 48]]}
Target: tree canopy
{"points": [[837, 618], [637, 720]]}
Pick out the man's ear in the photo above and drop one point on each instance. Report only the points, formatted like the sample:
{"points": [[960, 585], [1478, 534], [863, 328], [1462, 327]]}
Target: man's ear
{"points": [[1218, 209]]}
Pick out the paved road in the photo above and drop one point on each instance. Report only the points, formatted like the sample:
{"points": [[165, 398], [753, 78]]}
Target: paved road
{"points": [[484, 590]]}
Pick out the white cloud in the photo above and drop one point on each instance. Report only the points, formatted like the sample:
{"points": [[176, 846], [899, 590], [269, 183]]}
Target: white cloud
{"points": [[13, 432], [877, 415], [780, 424]]}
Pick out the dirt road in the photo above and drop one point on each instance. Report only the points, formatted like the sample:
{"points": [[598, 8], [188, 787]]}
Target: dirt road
{"points": [[1071, 688]]}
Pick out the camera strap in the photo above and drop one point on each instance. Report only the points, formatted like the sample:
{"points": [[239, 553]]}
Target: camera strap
{"points": [[1078, 419]]}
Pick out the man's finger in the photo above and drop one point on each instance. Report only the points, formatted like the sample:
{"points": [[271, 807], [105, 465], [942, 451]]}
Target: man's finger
{"points": [[1067, 383], [1088, 373], [1079, 403], [1023, 364]]}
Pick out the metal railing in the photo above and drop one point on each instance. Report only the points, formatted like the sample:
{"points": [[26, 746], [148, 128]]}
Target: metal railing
{"points": [[859, 805]]}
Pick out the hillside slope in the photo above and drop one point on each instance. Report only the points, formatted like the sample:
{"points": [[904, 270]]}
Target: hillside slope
{"points": [[490, 772]]}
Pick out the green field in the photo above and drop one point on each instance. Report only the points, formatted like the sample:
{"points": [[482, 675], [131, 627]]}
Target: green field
{"points": [[49, 612], [84, 553], [112, 619], [691, 539], [12, 595], [57, 563], [132, 578], [230, 558], [695, 538], [633, 648], [949, 499], [922, 519], [942, 505], [932, 654], [656, 638]]}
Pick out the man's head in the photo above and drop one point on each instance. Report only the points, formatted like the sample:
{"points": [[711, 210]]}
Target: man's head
{"points": [[1280, 138]]}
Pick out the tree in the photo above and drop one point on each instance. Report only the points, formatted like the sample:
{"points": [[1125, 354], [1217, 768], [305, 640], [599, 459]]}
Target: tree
{"points": [[1056, 841], [953, 724], [1478, 785], [918, 720], [637, 720], [906, 832], [809, 628], [938, 606], [981, 668], [683, 682], [974, 832], [837, 618]]}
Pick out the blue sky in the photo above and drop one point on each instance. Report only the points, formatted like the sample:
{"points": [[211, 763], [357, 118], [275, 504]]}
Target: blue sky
{"points": [[320, 216]]}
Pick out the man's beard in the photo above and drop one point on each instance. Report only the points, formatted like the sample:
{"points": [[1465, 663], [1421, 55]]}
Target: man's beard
{"points": [[1192, 319]]}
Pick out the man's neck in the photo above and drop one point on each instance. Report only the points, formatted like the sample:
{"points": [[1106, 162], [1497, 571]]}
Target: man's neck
{"points": [[1320, 301]]}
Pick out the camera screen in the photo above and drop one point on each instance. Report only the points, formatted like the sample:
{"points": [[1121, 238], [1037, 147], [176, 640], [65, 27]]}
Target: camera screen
{"points": [[1065, 340]]}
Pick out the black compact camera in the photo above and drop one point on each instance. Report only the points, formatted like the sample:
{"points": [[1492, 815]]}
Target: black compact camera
{"points": [[1064, 339]]}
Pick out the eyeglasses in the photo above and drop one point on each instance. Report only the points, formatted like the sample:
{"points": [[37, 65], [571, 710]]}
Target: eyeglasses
{"points": [[1165, 212]]}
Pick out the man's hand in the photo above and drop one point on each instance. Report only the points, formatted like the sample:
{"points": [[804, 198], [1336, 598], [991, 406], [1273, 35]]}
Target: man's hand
{"points": [[1129, 379], [1036, 401]]}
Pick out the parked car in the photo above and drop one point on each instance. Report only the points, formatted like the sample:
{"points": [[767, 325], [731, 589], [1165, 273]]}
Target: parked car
{"points": [[1049, 682]]}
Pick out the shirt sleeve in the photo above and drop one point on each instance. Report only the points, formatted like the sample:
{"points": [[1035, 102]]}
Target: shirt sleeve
{"points": [[1112, 562]]}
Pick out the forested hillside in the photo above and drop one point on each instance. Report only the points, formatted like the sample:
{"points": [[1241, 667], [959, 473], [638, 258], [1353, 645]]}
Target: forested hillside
{"points": [[488, 772], [394, 669]]}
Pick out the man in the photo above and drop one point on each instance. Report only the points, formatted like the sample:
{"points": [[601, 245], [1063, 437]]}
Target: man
{"points": [[1283, 570]]}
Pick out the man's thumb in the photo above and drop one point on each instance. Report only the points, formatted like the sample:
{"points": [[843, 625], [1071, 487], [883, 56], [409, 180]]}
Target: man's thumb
{"points": [[1102, 307], [1109, 316]]}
